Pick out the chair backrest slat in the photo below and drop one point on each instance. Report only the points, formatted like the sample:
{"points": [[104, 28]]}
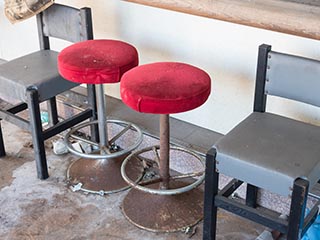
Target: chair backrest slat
{"points": [[65, 22], [293, 77], [287, 76]]}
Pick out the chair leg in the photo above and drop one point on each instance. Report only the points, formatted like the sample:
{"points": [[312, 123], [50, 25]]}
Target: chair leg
{"points": [[52, 111], [2, 149], [297, 209], [210, 191], [91, 92], [251, 196], [37, 137]]}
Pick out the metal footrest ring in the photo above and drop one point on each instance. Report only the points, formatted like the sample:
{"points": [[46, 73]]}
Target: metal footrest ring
{"points": [[105, 152], [141, 185]]}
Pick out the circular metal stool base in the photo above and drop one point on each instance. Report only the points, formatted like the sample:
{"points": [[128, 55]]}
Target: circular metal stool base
{"points": [[101, 176], [164, 213]]}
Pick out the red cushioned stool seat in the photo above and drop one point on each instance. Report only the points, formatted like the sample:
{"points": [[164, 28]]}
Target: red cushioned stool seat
{"points": [[168, 200], [97, 61], [165, 87]]}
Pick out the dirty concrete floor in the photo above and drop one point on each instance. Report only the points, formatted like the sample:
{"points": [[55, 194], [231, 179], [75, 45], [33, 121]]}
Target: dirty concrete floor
{"points": [[35, 209]]}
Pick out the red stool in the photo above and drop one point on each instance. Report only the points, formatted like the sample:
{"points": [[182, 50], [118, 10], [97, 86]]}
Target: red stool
{"points": [[168, 201], [98, 62]]}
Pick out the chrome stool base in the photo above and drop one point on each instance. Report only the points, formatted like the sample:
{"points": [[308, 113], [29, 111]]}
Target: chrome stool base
{"points": [[101, 176], [164, 213]]}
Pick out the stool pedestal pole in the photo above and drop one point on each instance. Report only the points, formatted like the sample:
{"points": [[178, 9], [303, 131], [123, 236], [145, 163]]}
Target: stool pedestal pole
{"points": [[103, 132], [164, 151]]}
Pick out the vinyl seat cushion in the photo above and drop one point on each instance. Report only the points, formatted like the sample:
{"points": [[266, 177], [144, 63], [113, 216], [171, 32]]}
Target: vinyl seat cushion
{"points": [[97, 61], [165, 87]]}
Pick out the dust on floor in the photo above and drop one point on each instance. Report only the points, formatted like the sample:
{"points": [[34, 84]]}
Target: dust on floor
{"points": [[49, 209]]}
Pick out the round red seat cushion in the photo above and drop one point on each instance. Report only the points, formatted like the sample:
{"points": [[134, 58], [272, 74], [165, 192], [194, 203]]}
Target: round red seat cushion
{"points": [[97, 61], [165, 87]]}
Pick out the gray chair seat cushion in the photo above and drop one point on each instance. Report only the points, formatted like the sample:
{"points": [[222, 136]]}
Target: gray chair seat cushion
{"points": [[270, 151], [37, 70]]}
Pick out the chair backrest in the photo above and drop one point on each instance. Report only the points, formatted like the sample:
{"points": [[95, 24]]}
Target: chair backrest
{"points": [[286, 76], [64, 22]]}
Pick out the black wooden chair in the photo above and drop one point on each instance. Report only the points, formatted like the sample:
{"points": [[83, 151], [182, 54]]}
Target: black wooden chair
{"points": [[269, 151], [34, 78]]}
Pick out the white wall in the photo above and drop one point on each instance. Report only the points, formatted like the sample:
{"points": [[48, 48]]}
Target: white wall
{"points": [[226, 51]]}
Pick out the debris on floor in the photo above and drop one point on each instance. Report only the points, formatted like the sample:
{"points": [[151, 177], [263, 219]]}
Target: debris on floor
{"points": [[49, 209], [59, 147]]}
